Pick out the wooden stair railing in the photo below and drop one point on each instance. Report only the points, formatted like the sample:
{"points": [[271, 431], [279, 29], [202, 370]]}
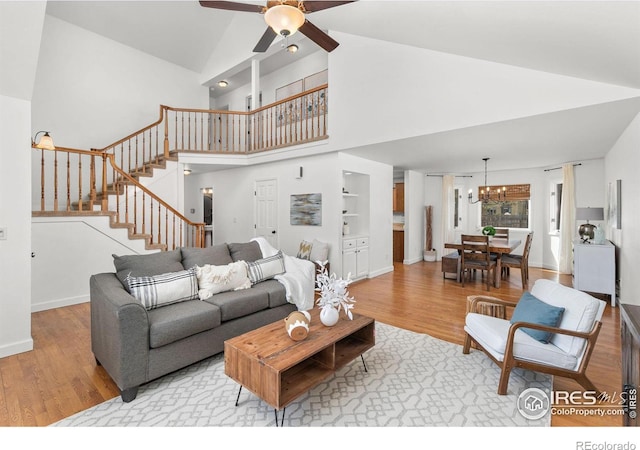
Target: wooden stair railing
{"points": [[295, 120], [131, 205], [299, 119]]}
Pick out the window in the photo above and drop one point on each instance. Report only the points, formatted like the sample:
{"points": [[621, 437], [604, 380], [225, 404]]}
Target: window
{"points": [[513, 212], [556, 206]]}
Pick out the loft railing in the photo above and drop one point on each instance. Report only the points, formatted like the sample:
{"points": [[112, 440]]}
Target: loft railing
{"points": [[295, 120], [76, 182]]}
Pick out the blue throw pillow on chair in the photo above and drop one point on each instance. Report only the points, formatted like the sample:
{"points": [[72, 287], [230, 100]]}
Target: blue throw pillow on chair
{"points": [[533, 310]]}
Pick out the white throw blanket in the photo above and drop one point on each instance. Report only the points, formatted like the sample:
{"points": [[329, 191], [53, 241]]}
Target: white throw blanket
{"points": [[298, 279]]}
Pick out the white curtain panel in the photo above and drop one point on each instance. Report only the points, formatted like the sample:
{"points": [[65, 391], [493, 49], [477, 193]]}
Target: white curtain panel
{"points": [[567, 219], [448, 232]]}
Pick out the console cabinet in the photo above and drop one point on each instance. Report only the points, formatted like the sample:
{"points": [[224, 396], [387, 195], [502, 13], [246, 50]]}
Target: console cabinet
{"points": [[594, 268], [355, 257]]}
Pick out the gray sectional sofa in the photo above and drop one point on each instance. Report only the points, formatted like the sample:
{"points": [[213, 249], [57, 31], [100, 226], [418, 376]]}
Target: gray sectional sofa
{"points": [[136, 344]]}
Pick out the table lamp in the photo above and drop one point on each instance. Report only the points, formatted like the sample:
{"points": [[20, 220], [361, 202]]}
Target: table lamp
{"points": [[586, 230]]}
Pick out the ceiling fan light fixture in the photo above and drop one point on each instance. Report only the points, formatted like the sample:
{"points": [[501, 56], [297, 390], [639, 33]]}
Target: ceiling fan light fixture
{"points": [[284, 19]]}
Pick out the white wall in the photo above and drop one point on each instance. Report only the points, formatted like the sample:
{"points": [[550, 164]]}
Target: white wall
{"points": [[67, 251], [20, 31], [621, 163], [233, 201], [439, 91], [91, 91], [15, 218], [414, 216]]}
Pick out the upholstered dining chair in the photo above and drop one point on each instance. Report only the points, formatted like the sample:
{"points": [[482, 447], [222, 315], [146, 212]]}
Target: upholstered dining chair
{"points": [[553, 329], [519, 261], [475, 255]]}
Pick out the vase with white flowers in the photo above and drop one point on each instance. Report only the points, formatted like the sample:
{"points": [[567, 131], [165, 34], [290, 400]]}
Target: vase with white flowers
{"points": [[333, 296]]}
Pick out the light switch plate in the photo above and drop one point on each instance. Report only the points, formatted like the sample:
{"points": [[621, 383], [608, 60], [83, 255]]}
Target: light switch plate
{"points": [[3, 233]]}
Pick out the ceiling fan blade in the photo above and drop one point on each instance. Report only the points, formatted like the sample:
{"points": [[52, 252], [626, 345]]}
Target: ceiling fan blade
{"points": [[265, 41], [232, 6], [312, 6], [318, 36]]}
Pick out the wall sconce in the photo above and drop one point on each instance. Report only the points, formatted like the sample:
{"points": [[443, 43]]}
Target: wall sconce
{"points": [[46, 141]]}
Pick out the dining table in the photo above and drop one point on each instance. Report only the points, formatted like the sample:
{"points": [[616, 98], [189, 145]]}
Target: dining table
{"points": [[497, 246]]}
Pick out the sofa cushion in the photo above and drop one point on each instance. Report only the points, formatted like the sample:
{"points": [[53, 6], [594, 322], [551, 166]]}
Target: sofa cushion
{"points": [[246, 251], [216, 255], [162, 290], [581, 312], [147, 265], [275, 290], [266, 268], [215, 279], [178, 321], [492, 332], [533, 310], [234, 304]]}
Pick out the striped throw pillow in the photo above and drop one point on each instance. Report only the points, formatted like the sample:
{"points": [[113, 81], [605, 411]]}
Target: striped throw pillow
{"points": [[161, 290], [266, 268]]}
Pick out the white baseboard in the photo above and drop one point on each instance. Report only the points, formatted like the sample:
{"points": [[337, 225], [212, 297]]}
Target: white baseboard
{"points": [[59, 303], [377, 273], [413, 260], [16, 347]]}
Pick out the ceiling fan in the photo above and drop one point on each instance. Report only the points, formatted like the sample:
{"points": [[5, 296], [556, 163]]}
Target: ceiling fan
{"points": [[284, 18]]}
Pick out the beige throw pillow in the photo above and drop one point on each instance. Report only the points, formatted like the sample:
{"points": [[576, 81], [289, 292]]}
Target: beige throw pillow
{"points": [[215, 279], [305, 250]]}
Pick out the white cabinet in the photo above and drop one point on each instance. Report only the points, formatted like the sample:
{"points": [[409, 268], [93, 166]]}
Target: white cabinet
{"points": [[594, 268], [355, 257]]}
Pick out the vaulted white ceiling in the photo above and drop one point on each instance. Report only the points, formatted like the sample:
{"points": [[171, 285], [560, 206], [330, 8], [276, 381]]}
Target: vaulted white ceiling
{"points": [[593, 40]]}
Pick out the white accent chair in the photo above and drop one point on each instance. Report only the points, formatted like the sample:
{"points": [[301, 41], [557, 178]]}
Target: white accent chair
{"points": [[568, 352]]}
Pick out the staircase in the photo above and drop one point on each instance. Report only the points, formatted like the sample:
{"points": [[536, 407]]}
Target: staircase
{"points": [[106, 182]]}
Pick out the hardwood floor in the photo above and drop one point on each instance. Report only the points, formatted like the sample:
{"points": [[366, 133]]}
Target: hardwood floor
{"points": [[60, 377]]}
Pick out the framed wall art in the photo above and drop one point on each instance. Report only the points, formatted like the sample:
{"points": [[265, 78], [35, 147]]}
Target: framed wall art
{"points": [[306, 209]]}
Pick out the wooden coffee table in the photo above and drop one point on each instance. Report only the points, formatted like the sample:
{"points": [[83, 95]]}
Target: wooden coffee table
{"points": [[278, 369]]}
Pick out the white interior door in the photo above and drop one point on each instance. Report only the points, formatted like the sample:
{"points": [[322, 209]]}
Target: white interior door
{"points": [[266, 211]]}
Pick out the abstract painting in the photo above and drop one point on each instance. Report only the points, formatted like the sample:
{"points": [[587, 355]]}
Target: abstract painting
{"points": [[306, 209]]}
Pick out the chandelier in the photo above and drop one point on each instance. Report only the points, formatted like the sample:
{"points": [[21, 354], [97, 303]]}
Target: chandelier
{"points": [[486, 194]]}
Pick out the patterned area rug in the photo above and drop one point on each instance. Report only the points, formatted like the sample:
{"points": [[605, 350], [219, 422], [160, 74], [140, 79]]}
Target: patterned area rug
{"points": [[412, 380]]}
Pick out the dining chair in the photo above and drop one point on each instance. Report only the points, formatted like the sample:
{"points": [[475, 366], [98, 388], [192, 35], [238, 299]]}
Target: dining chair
{"points": [[501, 233], [519, 261], [475, 255]]}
